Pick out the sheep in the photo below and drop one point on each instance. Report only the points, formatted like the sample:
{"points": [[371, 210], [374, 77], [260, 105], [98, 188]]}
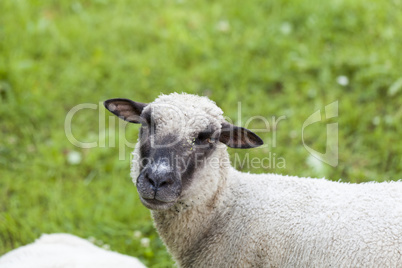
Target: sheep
{"points": [[65, 251], [208, 214]]}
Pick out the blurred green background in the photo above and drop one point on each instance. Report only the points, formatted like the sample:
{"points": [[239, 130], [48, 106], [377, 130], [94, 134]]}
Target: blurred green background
{"points": [[279, 58]]}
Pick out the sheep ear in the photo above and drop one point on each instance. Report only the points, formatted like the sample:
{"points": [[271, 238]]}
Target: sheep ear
{"points": [[125, 109], [238, 137]]}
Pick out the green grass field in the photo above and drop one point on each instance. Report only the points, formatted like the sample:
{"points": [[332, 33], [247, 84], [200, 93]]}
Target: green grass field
{"points": [[279, 58]]}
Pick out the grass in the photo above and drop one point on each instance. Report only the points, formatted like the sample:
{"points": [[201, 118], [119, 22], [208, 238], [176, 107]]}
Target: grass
{"points": [[279, 58]]}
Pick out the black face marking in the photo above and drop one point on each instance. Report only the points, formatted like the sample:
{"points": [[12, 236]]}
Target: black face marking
{"points": [[203, 135], [146, 115], [159, 183], [148, 129], [183, 157], [202, 147], [145, 149]]}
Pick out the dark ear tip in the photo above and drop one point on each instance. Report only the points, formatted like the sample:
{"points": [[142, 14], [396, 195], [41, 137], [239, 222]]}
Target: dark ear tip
{"points": [[259, 142], [256, 143], [108, 101]]}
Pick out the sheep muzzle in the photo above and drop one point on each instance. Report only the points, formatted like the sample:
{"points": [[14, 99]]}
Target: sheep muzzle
{"points": [[158, 185]]}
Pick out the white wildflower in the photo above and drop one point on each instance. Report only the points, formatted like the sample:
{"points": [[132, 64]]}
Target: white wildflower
{"points": [[342, 80], [376, 120], [145, 242], [92, 239], [293, 134], [223, 26], [137, 234], [286, 28], [74, 157]]}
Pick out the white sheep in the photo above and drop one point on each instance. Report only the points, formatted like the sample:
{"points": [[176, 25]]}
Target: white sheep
{"points": [[65, 251], [210, 215]]}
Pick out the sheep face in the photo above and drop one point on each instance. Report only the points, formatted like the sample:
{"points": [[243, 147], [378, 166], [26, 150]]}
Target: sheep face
{"points": [[179, 133]]}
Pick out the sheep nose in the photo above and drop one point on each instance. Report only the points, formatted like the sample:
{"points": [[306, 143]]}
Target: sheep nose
{"points": [[158, 182]]}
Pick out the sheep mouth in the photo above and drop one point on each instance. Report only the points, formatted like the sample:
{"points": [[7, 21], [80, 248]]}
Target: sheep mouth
{"points": [[155, 204]]}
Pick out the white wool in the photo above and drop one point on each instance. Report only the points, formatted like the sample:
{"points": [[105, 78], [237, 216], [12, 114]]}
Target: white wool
{"points": [[184, 114], [65, 251], [231, 219]]}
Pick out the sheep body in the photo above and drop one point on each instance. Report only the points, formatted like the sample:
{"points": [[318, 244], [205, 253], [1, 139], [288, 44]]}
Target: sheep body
{"points": [[226, 218], [65, 251], [281, 221]]}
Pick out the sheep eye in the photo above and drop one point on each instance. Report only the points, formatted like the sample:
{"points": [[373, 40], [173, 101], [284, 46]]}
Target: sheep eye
{"points": [[204, 136]]}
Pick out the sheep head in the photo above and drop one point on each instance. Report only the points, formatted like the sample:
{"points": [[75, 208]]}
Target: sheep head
{"points": [[178, 133]]}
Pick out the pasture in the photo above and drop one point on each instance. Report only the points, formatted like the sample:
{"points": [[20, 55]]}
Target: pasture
{"points": [[279, 59]]}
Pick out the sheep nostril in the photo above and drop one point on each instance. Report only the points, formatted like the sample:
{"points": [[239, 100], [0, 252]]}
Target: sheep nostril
{"points": [[162, 183], [165, 182], [156, 183], [151, 181]]}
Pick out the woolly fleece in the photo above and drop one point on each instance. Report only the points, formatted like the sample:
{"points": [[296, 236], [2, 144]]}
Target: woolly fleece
{"points": [[65, 251], [231, 219]]}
